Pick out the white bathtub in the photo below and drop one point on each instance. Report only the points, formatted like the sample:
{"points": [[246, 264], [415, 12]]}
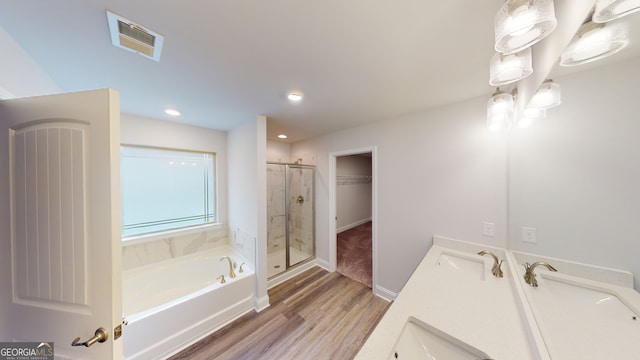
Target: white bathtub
{"points": [[171, 304]]}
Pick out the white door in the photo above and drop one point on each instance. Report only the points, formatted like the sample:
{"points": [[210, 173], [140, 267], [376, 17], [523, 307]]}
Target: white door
{"points": [[60, 250]]}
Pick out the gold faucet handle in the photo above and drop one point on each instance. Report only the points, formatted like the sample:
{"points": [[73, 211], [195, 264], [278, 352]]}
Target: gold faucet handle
{"points": [[222, 280]]}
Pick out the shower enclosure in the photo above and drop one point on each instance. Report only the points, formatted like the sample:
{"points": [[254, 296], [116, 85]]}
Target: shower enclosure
{"points": [[290, 216]]}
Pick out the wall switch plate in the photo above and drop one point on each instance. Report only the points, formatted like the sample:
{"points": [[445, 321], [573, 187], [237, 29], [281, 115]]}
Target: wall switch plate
{"points": [[529, 235], [488, 229]]}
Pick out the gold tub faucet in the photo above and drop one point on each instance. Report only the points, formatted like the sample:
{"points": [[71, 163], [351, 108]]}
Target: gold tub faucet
{"points": [[232, 274], [530, 276], [495, 270]]}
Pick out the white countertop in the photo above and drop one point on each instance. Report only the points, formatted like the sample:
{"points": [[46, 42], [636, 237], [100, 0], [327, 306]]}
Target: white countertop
{"points": [[483, 313]]}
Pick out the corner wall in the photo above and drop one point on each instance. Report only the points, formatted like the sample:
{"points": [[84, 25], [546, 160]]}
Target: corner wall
{"points": [[575, 176], [20, 75], [247, 198], [440, 172]]}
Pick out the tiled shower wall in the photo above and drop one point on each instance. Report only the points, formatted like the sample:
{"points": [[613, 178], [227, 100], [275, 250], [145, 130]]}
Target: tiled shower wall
{"points": [[172, 246], [276, 219]]}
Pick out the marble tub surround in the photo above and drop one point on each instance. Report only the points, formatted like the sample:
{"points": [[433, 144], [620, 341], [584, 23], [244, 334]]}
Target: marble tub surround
{"points": [[150, 249], [478, 309], [244, 243], [582, 311]]}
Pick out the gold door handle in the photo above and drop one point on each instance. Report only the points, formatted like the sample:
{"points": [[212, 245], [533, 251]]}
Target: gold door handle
{"points": [[101, 336]]}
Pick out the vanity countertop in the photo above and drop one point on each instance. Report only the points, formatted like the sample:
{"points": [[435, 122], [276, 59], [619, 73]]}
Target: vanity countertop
{"points": [[470, 305]]}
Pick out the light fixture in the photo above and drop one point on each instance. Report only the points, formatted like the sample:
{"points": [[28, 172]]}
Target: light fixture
{"points": [[499, 110], [607, 10], [505, 69], [521, 23], [295, 96], [547, 96], [282, 136], [595, 41], [172, 112], [529, 115]]}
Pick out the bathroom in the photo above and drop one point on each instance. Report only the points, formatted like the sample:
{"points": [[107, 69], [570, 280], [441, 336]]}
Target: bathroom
{"points": [[583, 164]]}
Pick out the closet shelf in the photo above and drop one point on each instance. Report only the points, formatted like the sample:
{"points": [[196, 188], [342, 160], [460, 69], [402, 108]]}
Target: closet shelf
{"points": [[353, 179]]}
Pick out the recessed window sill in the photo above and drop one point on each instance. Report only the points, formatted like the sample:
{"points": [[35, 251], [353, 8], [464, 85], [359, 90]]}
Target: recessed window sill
{"points": [[144, 238]]}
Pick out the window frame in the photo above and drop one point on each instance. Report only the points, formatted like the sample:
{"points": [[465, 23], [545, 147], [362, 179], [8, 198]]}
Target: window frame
{"points": [[182, 230]]}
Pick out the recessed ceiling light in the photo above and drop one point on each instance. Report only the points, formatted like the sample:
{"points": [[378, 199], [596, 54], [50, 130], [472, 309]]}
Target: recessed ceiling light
{"points": [[295, 95], [172, 112], [282, 136]]}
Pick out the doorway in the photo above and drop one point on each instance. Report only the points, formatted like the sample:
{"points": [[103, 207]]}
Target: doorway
{"points": [[353, 231]]}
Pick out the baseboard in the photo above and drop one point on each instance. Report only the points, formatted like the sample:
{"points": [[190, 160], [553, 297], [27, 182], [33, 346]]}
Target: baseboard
{"points": [[323, 264], [261, 303], [352, 225], [385, 293]]}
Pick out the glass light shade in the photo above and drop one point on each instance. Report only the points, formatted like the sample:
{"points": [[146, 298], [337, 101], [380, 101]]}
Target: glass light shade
{"points": [[529, 115], [499, 111], [607, 10], [521, 23], [547, 96], [505, 69], [595, 41]]}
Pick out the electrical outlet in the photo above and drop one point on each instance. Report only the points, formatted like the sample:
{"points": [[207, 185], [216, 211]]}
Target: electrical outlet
{"points": [[488, 229], [529, 235]]}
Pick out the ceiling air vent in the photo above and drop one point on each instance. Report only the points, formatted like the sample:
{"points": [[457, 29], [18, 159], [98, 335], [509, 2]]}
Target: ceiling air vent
{"points": [[128, 35]]}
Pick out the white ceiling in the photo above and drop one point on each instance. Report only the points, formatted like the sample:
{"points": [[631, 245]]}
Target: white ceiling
{"points": [[224, 62]]}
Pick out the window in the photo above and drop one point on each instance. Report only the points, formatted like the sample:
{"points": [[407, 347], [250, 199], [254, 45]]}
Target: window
{"points": [[166, 189]]}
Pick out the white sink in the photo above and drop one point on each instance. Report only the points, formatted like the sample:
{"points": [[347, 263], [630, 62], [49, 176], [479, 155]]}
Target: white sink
{"points": [[582, 319], [464, 264], [419, 340]]}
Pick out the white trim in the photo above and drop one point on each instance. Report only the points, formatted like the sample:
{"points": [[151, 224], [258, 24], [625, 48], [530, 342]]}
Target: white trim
{"points": [[352, 225], [385, 294], [261, 303], [323, 264], [379, 291], [159, 235]]}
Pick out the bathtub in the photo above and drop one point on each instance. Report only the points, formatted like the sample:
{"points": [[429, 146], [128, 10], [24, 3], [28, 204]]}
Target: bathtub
{"points": [[172, 304]]}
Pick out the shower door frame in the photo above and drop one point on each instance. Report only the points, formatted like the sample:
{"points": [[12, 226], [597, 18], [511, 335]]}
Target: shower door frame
{"points": [[287, 206]]}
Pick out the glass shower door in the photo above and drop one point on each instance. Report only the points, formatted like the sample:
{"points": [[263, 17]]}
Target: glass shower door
{"points": [[301, 215]]}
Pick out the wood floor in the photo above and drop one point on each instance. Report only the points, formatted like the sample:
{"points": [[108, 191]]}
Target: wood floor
{"points": [[316, 315]]}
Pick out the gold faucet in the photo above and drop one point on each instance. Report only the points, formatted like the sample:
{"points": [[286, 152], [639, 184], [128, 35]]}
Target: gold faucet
{"points": [[232, 274], [529, 276], [495, 270]]}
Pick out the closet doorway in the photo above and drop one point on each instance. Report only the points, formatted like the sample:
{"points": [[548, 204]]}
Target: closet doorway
{"points": [[353, 197]]}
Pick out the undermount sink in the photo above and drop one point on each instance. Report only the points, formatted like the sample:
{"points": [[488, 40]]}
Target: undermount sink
{"points": [[468, 265], [580, 320], [419, 340]]}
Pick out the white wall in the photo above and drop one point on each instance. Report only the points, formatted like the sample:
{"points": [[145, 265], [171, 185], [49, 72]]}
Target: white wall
{"points": [[353, 205], [278, 151], [247, 194], [136, 130], [20, 76], [439, 172], [575, 176]]}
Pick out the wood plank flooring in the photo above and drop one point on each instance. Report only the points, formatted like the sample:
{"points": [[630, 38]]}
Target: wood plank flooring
{"points": [[315, 315]]}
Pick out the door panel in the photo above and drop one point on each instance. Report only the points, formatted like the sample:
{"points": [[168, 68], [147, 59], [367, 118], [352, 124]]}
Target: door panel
{"points": [[60, 200]]}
